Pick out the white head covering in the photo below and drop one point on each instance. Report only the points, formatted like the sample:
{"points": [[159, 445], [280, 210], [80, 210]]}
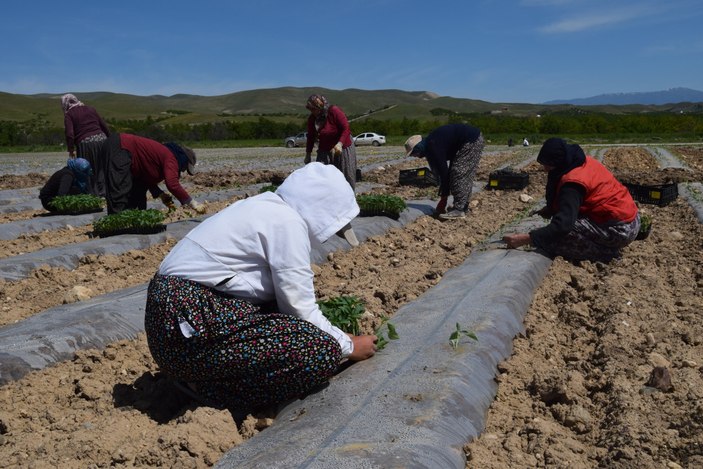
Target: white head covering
{"points": [[69, 101], [322, 197]]}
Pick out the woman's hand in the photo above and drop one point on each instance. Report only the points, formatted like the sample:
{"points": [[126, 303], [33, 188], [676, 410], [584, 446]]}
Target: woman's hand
{"points": [[364, 347], [516, 240]]}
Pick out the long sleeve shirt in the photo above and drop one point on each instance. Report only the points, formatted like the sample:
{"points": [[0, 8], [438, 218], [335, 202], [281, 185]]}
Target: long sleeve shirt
{"points": [[60, 183], [442, 145], [81, 122], [570, 199], [258, 250], [336, 129], [152, 163]]}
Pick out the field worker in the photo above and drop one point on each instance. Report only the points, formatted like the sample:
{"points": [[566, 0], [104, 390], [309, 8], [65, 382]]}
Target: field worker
{"points": [[453, 152], [592, 215], [72, 179], [85, 134], [232, 309], [329, 125], [136, 164]]}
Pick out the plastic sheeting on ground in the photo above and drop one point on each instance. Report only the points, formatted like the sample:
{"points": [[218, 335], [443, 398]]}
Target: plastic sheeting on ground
{"points": [[417, 402], [55, 334]]}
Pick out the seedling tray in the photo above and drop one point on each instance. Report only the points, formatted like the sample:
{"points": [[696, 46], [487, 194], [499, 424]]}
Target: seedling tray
{"points": [[131, 230], [420, 177], [507, 180], [658, 194]]}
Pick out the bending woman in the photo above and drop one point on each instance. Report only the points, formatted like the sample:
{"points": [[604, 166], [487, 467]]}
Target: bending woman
{"points": [[232, 309], [593, 216]]}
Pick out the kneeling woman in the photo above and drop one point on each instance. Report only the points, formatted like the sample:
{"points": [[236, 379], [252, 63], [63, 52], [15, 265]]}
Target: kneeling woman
{"points": [[593, 216], [232, 309]]}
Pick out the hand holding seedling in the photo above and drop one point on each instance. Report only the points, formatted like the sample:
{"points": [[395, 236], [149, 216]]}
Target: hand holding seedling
{"points": [[364, 347]]}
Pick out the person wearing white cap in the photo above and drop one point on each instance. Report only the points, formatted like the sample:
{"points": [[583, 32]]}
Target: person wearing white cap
{"points": [[453, 152], [232, 309]]}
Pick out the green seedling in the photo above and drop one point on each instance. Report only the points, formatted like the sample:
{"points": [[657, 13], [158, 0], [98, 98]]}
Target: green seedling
{"points": [[383, 340], [456, 336], [80, 203], [128, 220], [380, 205], [344, 312]]}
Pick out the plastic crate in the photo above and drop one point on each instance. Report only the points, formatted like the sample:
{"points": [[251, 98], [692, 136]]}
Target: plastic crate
{"points": [[502, 179], [658, 194], [421, 177]]}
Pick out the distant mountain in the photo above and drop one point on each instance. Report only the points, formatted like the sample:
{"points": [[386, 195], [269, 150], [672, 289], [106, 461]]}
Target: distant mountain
{"points": [[670, 96]]}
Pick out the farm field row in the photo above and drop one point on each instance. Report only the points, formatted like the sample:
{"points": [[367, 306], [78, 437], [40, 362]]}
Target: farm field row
{"points": [[112, 407]]}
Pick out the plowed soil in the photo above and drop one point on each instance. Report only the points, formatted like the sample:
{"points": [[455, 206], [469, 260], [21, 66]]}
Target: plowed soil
{"points": [[575, 393]]}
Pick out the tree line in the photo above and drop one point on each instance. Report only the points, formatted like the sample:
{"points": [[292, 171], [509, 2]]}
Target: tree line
{"points": [[38, 130]]}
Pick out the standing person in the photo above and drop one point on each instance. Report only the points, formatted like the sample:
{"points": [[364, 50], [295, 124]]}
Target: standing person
{"points": [[593, 216], [328, 124], [232, 309], [72, 179], [136, 164], [453, 152], [85, 133]]}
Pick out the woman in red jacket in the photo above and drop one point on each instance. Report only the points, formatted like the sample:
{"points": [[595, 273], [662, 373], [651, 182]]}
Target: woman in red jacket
{"points": [[593, 216], [137, 164], [330, 127]]}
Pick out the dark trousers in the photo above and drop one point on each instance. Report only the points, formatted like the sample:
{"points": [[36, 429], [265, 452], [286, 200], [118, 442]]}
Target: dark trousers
{"points": [[122, 190]]}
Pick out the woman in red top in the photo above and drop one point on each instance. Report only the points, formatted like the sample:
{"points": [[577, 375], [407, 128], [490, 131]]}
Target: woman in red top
{"points": [[330, 127], [137, 164], [593, 216], [85, 133]]}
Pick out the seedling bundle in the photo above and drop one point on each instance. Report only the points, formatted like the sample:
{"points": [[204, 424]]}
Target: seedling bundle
{"points": [[420, 177], [76, 204], [645, 227], [130, 222], [345, 312], [372, 205]]}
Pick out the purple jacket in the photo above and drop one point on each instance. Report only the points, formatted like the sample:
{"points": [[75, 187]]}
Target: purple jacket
{"points": [[80, 122]]}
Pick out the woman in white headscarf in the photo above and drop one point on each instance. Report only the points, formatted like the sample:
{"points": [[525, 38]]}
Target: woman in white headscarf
{"points": [[85, 133], [232, 309]]}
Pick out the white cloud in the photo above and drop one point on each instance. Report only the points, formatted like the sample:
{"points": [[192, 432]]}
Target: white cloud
{"points": [[591, 21]]}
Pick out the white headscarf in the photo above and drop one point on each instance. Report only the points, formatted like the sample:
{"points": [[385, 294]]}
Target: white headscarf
{"points": [[69, 101], [322, 197]]}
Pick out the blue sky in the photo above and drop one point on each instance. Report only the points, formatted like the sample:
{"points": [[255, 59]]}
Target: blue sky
{"points": [[501, 51]]}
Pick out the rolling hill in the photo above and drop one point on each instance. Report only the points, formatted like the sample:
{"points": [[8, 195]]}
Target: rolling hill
{"points": [[282, 103]]}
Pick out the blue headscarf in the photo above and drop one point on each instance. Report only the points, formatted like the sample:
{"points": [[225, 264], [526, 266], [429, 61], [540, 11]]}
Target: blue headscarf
{"points": [[180, 155], [82, 171]]}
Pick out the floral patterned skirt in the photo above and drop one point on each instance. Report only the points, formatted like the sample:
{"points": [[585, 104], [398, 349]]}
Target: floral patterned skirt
{"points": [[236, 355]]}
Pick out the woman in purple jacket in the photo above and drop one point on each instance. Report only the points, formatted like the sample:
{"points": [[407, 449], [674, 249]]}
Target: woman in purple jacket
{"points": [[85, 132], [329, 125]]}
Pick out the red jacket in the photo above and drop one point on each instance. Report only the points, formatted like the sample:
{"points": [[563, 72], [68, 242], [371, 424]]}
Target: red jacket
{"points": [[152, 163], [336, 129], [606, 200]]}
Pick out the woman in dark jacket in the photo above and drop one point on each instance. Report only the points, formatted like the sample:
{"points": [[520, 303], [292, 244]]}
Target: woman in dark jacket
{"points": [[72, 179], [85, 132], [593, 216]]}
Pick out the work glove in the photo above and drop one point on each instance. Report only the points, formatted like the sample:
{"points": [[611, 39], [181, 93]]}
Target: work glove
{"points": [[308, 158], [197, 206], [441, 205], [167, 200], [337, 149]]}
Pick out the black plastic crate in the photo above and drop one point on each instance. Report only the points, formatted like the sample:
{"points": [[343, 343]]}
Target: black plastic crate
{"points": [[657, 194], [502, 179], [421, 177]]}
